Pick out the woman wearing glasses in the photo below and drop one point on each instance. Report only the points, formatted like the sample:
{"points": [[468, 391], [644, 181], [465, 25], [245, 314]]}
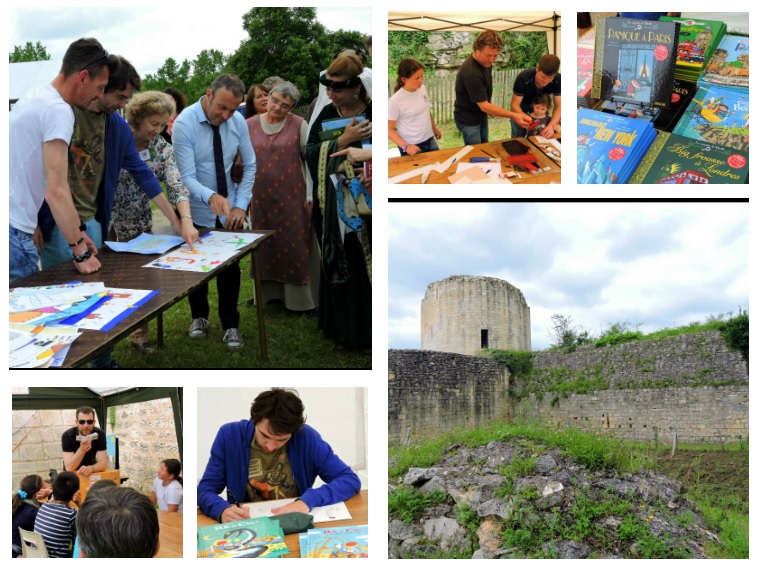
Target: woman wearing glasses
{"points": [[279, 201], [345, 282]]}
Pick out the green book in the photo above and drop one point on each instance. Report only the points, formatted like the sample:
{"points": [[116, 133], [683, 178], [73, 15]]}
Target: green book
{"points": [[674, 159], [259, 537], [698, 40]]}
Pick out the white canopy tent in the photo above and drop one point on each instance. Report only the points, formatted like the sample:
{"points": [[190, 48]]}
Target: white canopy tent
{"points": [[30, 75], [499, 21]]}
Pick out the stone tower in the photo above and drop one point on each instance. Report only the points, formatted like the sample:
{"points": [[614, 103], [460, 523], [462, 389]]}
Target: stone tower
{"points": [[464, 314]]}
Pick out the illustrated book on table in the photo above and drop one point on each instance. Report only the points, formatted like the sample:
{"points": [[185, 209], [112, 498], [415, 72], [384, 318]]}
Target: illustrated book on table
{"points": [[674, 159], [259, 537], [609, 147], [634, 60], [336, 542]]}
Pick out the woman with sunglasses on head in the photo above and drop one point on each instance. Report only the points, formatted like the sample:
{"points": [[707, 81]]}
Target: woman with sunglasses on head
{"points": [[345, 283], [279, 201]]}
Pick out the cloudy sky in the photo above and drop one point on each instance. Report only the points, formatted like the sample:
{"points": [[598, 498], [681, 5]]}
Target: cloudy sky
{"points": [[658, 264], [147, 36]]}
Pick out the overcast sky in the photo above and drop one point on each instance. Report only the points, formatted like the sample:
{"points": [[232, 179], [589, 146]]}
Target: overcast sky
{"points": [[147, 36], [658, 264]]}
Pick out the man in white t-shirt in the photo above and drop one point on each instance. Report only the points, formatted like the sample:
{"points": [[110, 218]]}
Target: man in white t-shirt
{"points": [[40, 127]]}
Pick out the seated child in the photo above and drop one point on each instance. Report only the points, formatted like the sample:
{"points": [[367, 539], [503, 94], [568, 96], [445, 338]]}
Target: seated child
{"points": [[168, 487], [410, 123], [55, 520], [541, 105], [118, 522]]}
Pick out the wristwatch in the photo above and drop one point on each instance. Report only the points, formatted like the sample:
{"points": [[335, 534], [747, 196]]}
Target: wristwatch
{"points": [[405, 148]]}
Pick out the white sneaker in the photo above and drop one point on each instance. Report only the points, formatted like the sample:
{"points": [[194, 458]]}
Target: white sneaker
{"points": [[198, 328], [233, 339]]}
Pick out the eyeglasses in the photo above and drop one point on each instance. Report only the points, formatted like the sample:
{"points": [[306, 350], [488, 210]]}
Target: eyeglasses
{"points": [[104, 56], [360, 52], [88, 422], [281, 104]]}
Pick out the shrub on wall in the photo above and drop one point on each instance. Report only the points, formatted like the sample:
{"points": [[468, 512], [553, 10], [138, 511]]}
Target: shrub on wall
{"points": [[519, 362], [736, 332]]}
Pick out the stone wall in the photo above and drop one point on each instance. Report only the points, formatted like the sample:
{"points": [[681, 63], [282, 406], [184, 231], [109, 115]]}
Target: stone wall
{"points": [[146, 434], [698, 414], [459, 312], [688, 359], [430, 393], [689, 384]]}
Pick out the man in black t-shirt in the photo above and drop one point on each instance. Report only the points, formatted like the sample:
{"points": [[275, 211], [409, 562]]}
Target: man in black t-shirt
{"points": [[84, 456], [544, 78], [474, 89]]}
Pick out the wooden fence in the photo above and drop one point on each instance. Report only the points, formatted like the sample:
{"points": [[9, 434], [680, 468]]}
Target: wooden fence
{"points": [[442, 92]]}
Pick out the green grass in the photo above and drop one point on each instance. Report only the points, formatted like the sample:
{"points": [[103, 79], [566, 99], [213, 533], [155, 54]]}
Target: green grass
{"points": [[293, 340], [716, 478], [498, 129], [407, 505]]}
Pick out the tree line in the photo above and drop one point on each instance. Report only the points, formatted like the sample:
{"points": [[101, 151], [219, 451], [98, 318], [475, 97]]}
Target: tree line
{"points": [[288, 42]]}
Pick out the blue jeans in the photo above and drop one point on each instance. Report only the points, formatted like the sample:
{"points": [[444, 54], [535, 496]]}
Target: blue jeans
{"points": [[516, 130], [473, 134], [57, 250], [22, 255], [427, 146]]}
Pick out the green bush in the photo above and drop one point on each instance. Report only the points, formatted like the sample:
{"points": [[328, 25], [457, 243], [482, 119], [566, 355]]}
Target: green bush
{"points": [[519, 362], [736, 332]]}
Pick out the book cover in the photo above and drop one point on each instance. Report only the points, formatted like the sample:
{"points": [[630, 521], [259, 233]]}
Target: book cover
{"points": [[585, 62], [674, 159], [338, 542], [697, 42], [729, 66], [683, 91], [634, 60], [259, 537], [610, 146], [718, 115]]}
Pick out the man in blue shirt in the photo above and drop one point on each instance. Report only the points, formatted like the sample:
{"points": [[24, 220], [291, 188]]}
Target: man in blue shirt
{"points": [[216, 202], [273, 455]]}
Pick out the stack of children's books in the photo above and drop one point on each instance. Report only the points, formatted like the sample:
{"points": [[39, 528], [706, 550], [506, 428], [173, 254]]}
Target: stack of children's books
{"points": [[585, 69], [698, 41], [259, 537], [610, 147], [674, 159], [337, 542]]}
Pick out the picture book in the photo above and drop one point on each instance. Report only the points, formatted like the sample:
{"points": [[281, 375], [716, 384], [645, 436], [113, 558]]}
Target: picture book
{"points": [[337, 542], [697, 42], [634, 60], [609, 147], [718, 115], [585, 67], [630, 110], [259, 537], [683, 91], [674, 159], [729, 66]]}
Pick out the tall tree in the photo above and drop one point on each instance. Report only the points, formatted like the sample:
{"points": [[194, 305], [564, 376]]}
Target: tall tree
{"points": [[208, 64], [287, 42], [170, 73], [29, 52]]}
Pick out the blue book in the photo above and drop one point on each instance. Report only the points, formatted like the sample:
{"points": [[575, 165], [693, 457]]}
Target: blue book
{"points": [[610, 147], [729, 66], [718, 115]]}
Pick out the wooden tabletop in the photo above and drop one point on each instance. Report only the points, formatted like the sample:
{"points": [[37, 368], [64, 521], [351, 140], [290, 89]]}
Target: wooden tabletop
{"points": [[551, 172], [358, 507], [126, 271], [170, 535]]}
